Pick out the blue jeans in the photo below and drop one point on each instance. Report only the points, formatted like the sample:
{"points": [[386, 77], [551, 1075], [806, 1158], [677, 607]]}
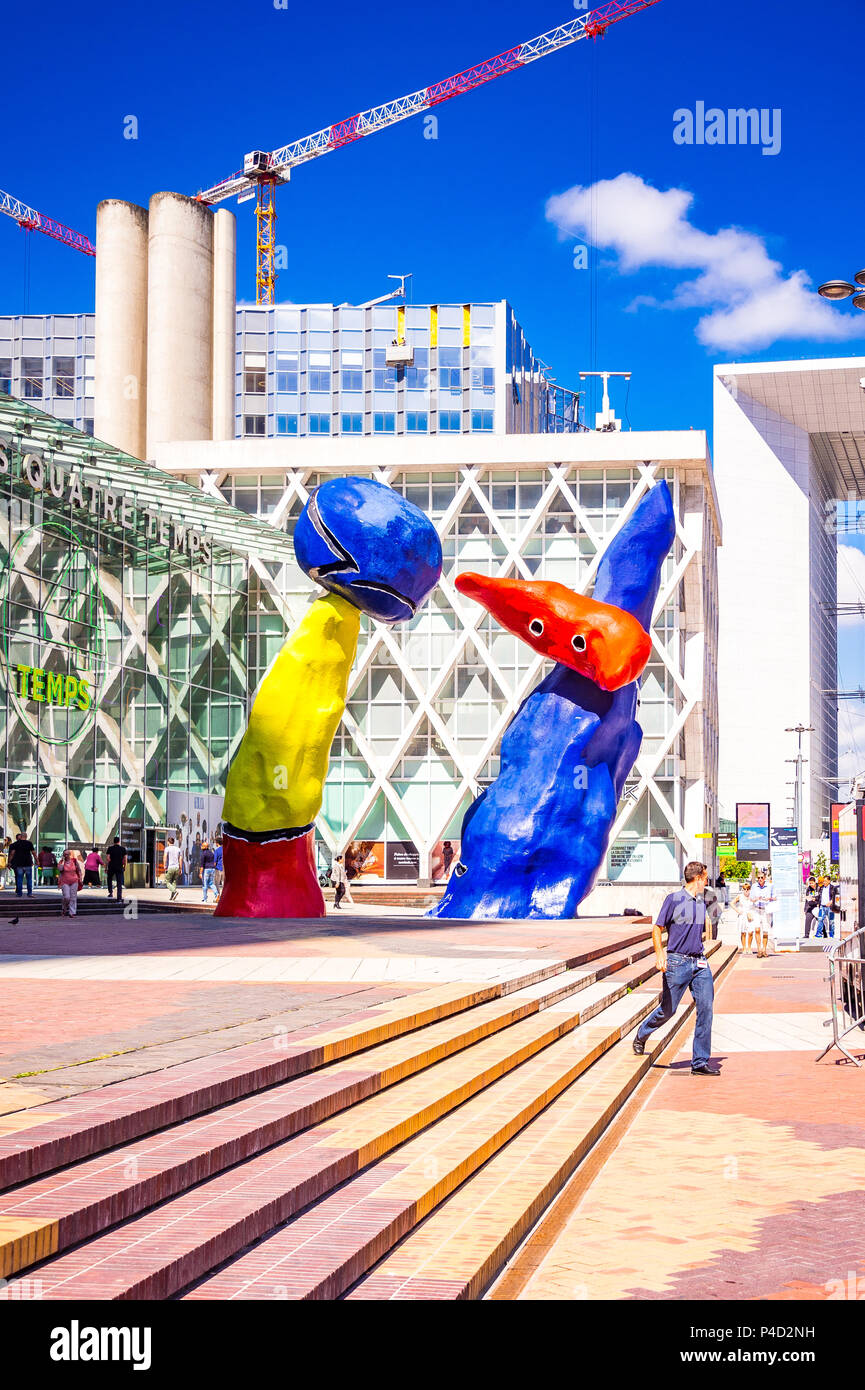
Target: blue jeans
{"points": [[207, 883], [20, 876], [683, 972], [825, 919]]}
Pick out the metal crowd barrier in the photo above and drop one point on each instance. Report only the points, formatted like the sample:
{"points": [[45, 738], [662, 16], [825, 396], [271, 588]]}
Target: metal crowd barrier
{"points": [[847, 988]]}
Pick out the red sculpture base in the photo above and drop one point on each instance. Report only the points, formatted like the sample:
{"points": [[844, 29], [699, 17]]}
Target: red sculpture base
{"points": [[276, 878]]}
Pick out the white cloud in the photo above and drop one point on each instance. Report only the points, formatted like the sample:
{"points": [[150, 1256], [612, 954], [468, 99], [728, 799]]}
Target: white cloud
{"points": [[752, 301]]}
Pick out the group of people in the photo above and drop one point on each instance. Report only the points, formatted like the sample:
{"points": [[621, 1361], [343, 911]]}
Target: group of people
{"points": [[209, 861], [822, 903], [755, 905], [71, 872]]}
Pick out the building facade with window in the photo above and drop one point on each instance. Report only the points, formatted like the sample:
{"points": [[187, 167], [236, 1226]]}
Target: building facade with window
{"points": [[429, 701], [125, 603], [319, 369]]}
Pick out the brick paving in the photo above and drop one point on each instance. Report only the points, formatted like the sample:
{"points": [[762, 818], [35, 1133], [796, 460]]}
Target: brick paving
{"points": [[751, 1186]]}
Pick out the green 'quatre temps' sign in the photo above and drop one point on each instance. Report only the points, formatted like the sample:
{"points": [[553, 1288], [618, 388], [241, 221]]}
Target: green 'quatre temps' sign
{"points": [[53, 642]]}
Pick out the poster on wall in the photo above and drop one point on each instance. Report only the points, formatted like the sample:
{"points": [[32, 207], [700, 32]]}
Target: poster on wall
{"points": [[444, 856], [402, 861], [364, 861], [193, 817], [752, 831]]}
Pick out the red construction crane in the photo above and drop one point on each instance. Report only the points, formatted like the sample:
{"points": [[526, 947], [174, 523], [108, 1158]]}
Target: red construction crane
{"points": [[33, 221], [262, 172]]}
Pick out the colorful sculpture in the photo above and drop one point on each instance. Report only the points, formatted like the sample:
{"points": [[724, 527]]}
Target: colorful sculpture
{"points": [[532, 843], [377, 554]]}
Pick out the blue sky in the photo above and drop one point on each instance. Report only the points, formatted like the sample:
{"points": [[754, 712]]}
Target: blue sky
{"points": [[468, 211], [699, 243]]}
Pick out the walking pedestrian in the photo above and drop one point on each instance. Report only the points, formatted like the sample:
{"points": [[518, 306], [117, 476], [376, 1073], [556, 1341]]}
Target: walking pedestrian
{"points": [[683, 965], [763, 898], [115, 857], [723, 888], [340, 882], [834, 907], [70, 878], [812, 904], [218, 870], [21, 862], [173, 867], [746, 914], [208, 870], [92, 865], [5, 850], [823, 908], [46, 864]]}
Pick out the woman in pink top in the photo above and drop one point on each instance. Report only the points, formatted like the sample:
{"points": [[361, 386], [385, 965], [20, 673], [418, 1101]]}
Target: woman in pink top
{"points": [[69, 877], [92, 865]]}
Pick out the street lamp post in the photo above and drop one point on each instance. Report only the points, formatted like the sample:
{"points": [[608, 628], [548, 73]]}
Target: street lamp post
{"points": [[842, 289], [800, 729]]}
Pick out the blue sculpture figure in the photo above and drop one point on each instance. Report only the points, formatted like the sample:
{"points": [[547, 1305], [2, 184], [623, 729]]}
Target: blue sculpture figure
{"points": [[362, 540], [533, 842]]}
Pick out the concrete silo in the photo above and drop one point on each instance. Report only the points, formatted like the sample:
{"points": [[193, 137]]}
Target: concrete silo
{"points": [[224, 305], [121, 326], [179, 320]]}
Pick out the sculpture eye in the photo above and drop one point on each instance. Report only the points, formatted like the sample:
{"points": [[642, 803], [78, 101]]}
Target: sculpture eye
{"points": [[460, 870], [578, 643], [536, 627]]}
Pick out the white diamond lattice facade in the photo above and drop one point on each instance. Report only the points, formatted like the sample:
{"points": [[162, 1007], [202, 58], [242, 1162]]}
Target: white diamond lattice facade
{"points": [[429, 702]]}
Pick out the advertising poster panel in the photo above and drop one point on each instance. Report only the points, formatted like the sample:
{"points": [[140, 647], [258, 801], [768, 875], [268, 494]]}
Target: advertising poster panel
{"points": [[752, 831], [836, 808], [786, 923]]}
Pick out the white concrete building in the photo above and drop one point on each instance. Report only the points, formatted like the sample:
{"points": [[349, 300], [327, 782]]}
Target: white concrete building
{"points": [[789, 443], [429, 701]]}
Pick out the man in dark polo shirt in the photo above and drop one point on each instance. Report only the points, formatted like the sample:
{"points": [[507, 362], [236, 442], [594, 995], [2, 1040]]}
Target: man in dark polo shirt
{"points": [[684, 965]]}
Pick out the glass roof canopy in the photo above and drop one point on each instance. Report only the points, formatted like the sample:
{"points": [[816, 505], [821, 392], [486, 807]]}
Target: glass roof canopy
{"points": [[26, 429]]}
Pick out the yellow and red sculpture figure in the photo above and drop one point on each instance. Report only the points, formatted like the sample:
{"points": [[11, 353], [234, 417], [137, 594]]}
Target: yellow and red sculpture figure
{"points": [[377, 554]]}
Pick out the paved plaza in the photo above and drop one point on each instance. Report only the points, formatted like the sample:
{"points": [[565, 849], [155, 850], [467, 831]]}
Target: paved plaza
{"points": [[384, 1107]]}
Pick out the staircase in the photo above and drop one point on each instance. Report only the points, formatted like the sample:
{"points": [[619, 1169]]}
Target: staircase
{"points": [[402, 1154]]}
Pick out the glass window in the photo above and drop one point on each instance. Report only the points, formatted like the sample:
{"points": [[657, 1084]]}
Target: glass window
{"points": [[417, 376], [254, 383], [286, 424], [384, 422], [352, 423], [449, 421], [319, 373], [6, 375], [484, 378], [31, 372], [286, 371], [253, 424], [64, 376], [384, 377], [416, 422], [482, 419], [319, 424]]}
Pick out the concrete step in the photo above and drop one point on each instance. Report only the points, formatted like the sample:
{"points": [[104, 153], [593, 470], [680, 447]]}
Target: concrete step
{"points": [[324, 1250], [53, 1135], [184, 1237], [47, 1137], [465, 1243], [46, 902], [56, 1211]]}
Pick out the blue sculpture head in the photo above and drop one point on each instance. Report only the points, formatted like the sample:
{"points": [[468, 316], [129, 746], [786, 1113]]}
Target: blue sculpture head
{"points": [[360, 539]]}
